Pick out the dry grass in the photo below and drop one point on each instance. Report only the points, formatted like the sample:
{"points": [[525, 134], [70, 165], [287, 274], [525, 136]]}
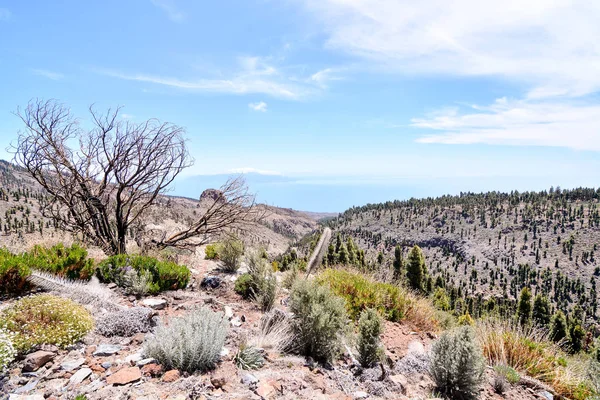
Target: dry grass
{"points": [[275, 332], [529, 351]]}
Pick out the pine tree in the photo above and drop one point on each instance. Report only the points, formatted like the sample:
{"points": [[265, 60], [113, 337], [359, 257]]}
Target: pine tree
{"points": [[541, 311], [415, 269], [558, 328], [343, 254], [524, 307], [398, 262]]}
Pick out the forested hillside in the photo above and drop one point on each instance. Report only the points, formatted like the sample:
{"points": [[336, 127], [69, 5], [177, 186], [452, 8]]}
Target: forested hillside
{"points": [[485, 248]]}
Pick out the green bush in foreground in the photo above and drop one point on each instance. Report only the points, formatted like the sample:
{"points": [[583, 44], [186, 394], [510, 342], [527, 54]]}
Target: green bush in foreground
{"points": [[319, 320], [230, 252], [457, 364], [45, 319], [166, 275], [192, 342], [369, 346], [14, 271], [67, 262]]}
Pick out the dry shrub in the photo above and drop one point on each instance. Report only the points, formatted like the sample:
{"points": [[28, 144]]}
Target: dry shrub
{"points": [[275, 332], [529, 351]]}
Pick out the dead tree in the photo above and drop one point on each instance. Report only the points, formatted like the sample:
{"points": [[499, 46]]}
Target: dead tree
{"points": [[233, 206], [101, 181]]}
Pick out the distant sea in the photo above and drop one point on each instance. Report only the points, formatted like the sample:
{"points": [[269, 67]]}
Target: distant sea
{"points": [[336, 194]]}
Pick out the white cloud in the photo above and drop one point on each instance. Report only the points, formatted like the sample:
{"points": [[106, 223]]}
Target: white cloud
{"points": [[169, 8], [5, 14], [55, 76], [260, 106], [127, 116], [324, 76], [250, 170], [254, 75], [550, 45], [518, 122]]}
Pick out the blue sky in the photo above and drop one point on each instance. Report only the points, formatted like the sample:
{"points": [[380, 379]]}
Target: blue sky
{"points": [[330, 103]]}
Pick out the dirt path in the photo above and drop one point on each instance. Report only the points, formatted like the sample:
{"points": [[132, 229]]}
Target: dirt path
{"points": [[317, 256]]}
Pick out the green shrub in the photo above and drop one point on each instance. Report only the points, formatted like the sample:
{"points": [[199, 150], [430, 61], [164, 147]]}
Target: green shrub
{"points": [[392, 302], [45, 319], [7, 350], [369, 346], [192, 342], [457, 364], [166, 275], [14, 271], [245, 286], [319, 320], [264, 281], [211, 252], [248, 357], [230, 252], [508, 373], [67, 262]]}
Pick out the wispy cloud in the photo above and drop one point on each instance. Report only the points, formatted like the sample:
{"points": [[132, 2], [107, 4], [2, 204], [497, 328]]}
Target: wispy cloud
{"points": [[250, 170], [254, 75], [5, 14], [170, 9], [550, 45], [260, 106], [324, 76], [127, 116], [517, 122], [550, 48], [55, 76]]}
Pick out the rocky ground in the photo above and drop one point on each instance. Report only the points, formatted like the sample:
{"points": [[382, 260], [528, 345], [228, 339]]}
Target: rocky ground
{"points": [[116, 368]]}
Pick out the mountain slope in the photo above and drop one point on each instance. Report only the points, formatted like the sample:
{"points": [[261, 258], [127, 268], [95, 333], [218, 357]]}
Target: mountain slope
{"points": [[494, 244]]}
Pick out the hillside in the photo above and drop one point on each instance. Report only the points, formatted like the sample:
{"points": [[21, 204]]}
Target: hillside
{"points": [[493, 244], [22, 224]]}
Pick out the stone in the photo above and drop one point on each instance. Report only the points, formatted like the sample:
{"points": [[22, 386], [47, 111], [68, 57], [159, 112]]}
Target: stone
{"points": [[360, 395], [37, 359], [218, 381], [71, 365], [112, 285], [25, 397], [265, 390], [146, 361], [249, 379], [56, 384], [125, 376], [133, 359], [152, 370], [171, 376], [138, 339], [105, 350], [80, 376], [28, 387], [155, 304], [224, 352], [212, 282], [90, 350], [546, 395], [236, 322], [106, 365], [228, 312]]}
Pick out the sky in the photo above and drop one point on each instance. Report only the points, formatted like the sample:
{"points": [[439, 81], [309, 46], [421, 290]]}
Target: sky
{"points": [[327, 104]]}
